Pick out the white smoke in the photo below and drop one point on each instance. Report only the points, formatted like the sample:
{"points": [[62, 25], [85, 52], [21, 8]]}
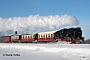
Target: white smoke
{"points": [[35, 22]]}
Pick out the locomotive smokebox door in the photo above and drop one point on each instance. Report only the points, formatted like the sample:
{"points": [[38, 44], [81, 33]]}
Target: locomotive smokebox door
{"points": [[15, 32]]}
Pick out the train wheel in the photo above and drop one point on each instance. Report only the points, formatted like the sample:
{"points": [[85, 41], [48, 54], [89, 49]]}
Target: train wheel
{"points": [[19, 41], [55, 40]]}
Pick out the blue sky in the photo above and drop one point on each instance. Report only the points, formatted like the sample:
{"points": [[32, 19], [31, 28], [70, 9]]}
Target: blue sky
{"points": [[78, 8]]}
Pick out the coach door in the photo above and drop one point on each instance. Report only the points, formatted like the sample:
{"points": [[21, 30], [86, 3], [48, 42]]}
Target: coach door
{"points": [[36, 36]]}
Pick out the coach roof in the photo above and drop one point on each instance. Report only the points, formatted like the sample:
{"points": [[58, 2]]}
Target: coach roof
{"points": [[47, 32]]}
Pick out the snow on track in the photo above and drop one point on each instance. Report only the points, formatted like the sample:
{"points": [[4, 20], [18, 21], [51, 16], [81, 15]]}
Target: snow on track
{"points": [[45, 51]]}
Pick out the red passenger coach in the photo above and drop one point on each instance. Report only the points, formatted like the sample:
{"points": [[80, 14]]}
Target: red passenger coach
{"points": [[27, 38], [7, 39], [15, 38], [46, 36]]}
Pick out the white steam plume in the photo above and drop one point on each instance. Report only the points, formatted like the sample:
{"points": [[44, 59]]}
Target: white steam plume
{"points": [[35, 22]]}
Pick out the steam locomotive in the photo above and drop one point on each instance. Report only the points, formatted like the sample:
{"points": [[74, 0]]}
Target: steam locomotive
{"points": [[68, 35]]}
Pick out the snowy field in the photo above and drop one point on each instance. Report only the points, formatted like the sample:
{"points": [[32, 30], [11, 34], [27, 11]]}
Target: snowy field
{"points": [[44, 51]]}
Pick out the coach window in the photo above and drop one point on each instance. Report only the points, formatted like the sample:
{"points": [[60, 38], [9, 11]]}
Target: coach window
{"points": [[44, 36], [51, 35], [32, 36], [23, 36], [41, 36], [28, 36], [48, 35]]}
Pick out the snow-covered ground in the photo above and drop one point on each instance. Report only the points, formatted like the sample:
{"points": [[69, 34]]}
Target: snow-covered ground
{"points": [[44, 51]]}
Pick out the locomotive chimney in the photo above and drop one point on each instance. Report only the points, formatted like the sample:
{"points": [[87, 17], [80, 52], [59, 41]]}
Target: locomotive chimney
{"points": [[15, 32]]}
